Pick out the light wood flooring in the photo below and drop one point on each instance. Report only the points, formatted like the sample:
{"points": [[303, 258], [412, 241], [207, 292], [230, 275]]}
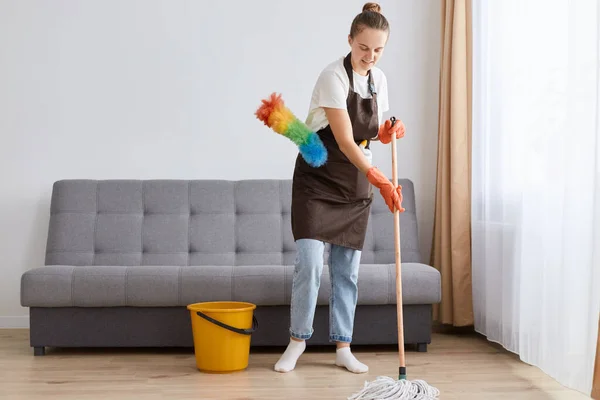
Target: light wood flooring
{"points": [[464, 366]]}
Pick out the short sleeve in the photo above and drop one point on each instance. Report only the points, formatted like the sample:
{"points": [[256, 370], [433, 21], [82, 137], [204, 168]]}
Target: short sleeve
{"points": [[330, 90], [382, 97]]}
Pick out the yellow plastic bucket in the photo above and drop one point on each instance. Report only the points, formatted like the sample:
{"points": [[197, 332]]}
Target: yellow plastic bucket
{"points": [[222, 331]]}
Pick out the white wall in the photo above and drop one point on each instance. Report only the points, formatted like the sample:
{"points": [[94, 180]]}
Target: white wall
{"points": [[149, 89]]}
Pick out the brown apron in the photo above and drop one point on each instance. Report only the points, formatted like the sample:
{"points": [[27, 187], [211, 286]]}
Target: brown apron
{"points": [[332, 203]]}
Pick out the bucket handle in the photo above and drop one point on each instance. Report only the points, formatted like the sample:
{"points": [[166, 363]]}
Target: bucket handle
{"points": [[231, 328]]}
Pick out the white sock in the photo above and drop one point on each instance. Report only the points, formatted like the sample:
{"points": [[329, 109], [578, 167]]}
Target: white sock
{"points": [[345, 358], [288, 359]]}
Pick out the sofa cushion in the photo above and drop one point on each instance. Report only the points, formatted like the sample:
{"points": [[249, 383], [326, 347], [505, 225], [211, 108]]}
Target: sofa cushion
{"points": [[198, 223], [167, 286]]}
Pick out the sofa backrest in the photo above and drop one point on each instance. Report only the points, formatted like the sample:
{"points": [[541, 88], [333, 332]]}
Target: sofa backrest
{"points": [[197, 222]]}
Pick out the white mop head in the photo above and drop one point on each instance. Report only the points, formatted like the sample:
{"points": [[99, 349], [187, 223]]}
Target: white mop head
{"points": [[385, 388]]}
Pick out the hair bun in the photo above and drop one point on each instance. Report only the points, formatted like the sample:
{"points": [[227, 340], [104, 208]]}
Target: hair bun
{"points": [[372, 7]]}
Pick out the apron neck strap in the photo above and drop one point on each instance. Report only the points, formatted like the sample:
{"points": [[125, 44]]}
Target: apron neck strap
{"points": [[350, 72]]}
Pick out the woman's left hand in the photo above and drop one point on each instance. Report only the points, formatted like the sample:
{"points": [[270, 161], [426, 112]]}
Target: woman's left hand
{"points": [[387, 130]]}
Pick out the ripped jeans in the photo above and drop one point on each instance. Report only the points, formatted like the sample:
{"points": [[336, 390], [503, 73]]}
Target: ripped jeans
{"points": [[343, 271]]}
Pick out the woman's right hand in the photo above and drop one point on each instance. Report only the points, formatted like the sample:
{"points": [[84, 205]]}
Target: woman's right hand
{"points": [[392, 195]]}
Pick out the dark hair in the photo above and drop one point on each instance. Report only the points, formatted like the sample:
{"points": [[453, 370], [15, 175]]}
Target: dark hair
{"points": [[370, 17]]}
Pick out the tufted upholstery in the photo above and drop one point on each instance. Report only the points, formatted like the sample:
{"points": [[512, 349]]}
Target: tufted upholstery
{"points": [[174, 242], [195, 223]]}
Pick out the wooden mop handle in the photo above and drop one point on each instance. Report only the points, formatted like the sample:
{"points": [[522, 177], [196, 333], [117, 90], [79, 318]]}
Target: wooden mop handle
{"points": [[401, 359]]}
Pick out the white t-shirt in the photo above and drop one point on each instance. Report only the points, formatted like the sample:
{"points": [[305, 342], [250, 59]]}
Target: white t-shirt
{"points": [[331, 90]]}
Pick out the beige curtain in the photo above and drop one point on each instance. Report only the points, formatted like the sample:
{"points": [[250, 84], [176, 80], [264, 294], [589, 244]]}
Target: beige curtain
{"points": [[451, 247], [596, 384]]}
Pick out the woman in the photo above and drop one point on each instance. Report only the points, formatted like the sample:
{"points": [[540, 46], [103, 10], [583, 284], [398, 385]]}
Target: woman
{"points": [[331, 204]]}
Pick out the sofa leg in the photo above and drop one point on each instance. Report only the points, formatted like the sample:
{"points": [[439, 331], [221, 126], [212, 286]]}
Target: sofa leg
{"points": [[39, 351], [422, 347]]}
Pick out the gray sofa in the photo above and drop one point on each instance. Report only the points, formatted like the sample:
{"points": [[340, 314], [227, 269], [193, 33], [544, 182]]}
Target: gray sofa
{"points": [[125, 257]]}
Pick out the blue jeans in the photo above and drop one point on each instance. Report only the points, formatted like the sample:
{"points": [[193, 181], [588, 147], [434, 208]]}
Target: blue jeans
{"points": [[343, 272]]}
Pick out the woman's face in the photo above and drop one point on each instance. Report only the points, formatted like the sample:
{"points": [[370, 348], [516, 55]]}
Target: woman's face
{"points": [[367, 48]]}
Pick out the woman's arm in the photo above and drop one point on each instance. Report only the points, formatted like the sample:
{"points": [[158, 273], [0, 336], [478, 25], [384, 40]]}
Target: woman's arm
{"points": [[341, 127], [339, 120]]}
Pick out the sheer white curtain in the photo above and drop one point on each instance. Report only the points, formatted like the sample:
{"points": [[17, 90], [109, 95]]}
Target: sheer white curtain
{"points": [[536, 182]]}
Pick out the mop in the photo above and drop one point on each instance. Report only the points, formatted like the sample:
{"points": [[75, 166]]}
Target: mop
{"points": [[274, 114], [383, 387]]}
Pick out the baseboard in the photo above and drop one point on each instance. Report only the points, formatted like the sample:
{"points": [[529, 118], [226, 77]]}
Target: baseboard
{"points": [[14, 322], [437, 327]]}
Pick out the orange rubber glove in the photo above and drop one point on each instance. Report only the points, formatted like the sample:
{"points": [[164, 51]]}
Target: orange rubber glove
{"points": [[391, 195], [387, 130]]}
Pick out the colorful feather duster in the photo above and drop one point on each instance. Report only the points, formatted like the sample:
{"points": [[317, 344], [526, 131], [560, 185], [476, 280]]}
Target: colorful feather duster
{"points": [[278, 117]]}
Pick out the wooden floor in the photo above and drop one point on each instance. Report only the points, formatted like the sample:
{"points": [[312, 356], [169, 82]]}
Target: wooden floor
{"points": [[460, 366]]}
